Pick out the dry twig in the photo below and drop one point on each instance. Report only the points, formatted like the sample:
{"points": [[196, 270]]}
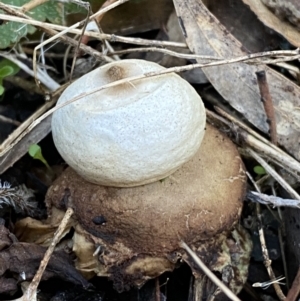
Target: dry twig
{"points": [[209, 273], [272, 200], [268, 104], [30, 293]]}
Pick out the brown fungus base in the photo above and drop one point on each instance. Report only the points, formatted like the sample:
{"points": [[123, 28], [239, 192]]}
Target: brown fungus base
{"points": [[201, 199], [139, 228]]}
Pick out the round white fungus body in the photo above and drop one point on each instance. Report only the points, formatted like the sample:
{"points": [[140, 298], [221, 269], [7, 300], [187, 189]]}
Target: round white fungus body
{"points": [[131, 134]]}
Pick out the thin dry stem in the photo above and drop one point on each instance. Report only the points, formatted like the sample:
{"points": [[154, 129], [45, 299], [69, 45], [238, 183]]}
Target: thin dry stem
{"points": [[209, 273], [293, 70], [275, 201], [76, 52], [105, 4], [6, 144], [30, 293], [267, 261], [274, 174], [52, 32], [25, 84], [264, 249], [281, 235], [260, 144], [9, 120], [43, 77], [165, 51], [49, 27], [268, 104], [277, 60], [32, 4], [157, 289]]}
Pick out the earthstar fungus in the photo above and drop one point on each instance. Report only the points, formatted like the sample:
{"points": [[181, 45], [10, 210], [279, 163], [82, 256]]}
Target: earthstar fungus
{"points": [[197, 196], [138, 227]]}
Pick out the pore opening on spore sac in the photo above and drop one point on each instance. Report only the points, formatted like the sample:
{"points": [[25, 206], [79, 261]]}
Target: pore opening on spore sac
{"points": [[115, 73]]}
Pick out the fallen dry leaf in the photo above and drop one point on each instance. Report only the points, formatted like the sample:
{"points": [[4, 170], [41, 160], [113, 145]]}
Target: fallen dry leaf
{"points": [[264, 14], [242, 23], [237, 83], [288, 9], [24, 259], [41, 232], [19, 262]]}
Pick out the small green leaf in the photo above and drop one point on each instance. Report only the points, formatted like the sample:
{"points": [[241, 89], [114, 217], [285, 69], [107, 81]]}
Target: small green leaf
{"points": [[6, 71], [35, 152], [259, 170], [9, 67], [54, 11]]}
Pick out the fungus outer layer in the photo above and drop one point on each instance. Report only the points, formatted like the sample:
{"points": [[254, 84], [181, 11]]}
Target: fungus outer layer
{"points": [[201, 199], [131, 134]]}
